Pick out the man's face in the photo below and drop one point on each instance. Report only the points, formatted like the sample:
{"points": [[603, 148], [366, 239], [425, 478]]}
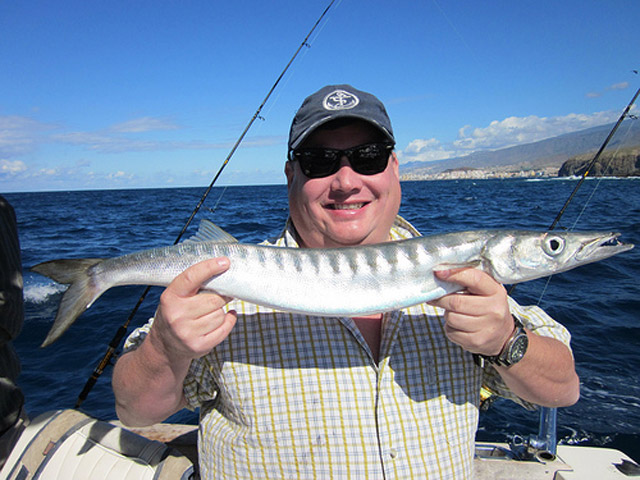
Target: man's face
{"points": [[345, 208]]}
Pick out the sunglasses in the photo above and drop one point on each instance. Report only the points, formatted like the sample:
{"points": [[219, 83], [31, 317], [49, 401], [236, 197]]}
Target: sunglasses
{"points": [[367, 159]]}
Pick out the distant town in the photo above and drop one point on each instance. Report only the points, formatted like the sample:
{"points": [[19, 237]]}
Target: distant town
{"points": [[464, 173], [562, 156]]}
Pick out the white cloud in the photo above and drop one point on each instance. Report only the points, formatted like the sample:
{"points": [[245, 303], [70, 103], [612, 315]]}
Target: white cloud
{"points": [[23, 168], [116, 143], [503, 133], [110, 143], [12, 167], [144, 124], [615, 86], [424, 150], [520, 130], [619, 86], [120, 175], [20, 135]]}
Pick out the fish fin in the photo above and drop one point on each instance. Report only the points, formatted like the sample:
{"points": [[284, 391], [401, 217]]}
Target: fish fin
{"points": [[65, 271], [210, 232], [455, 266], [81, 293]]}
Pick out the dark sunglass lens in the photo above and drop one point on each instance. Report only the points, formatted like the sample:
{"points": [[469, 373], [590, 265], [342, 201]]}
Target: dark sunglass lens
{"points": [[367, 159], [370, 159], [316, 163]]}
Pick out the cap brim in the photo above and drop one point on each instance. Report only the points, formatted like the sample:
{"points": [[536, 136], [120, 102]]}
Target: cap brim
{"points": [[312, 128]]}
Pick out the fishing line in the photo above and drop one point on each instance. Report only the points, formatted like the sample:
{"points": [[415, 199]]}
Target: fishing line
{"points": [[115, 342], [595, 159], [545, 440], [605, 169], [459, 35], [304, 54], [215, 207], [586, 204], [584, 175]]}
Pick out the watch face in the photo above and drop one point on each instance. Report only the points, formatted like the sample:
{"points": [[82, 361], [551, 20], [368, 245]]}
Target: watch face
{"points": [[518, 349]]}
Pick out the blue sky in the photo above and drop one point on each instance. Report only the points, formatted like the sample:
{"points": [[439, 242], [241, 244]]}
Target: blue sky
{"points": [[132, 94]]}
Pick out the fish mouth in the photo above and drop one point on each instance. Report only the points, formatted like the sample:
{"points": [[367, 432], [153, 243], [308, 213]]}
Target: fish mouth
{"points": [[604, 246]]}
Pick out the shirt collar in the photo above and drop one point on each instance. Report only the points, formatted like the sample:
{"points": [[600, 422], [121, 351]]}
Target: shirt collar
{"points": [[400, 230]]}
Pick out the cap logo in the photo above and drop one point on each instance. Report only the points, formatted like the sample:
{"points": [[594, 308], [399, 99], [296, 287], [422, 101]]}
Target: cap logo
{"points": [[340, 100]]}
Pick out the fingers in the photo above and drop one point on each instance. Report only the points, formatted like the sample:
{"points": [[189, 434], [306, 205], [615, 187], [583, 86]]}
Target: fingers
{"points": [[473, 280], [189, 282], [220, 333], [477, 285], [182, 295], [478, 318], [462, 303], [188, 322]]}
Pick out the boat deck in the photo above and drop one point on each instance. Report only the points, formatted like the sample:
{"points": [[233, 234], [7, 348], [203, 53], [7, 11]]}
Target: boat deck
{"points": [[60, 444], [571, 463], [492, 461]]}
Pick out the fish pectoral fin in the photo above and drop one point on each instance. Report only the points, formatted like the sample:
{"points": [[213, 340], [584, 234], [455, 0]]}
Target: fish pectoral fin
{"points": [[455, 266], [210, 232]]}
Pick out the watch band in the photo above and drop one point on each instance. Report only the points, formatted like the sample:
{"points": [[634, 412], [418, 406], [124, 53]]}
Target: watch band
{"points": [[514, 349]]}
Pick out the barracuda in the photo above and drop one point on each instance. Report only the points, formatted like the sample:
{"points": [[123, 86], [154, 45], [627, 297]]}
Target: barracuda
{"points": [[350, 281]]}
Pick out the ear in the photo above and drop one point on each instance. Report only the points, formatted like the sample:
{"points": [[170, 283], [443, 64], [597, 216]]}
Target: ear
{"points": [[395, 164], [289, 171]]}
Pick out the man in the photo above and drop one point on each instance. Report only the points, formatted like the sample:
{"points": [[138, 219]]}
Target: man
{"points": [[393, 395], [12, 416]]}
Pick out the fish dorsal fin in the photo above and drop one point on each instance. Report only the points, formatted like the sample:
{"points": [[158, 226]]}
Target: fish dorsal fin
{"points": [[210, 232]]}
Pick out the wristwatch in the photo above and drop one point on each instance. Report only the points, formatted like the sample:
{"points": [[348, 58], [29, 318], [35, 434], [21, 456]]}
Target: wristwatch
{"points": [[514, 349]]}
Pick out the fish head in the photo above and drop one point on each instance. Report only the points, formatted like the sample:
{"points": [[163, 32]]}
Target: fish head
{"points": [[520, 256]]}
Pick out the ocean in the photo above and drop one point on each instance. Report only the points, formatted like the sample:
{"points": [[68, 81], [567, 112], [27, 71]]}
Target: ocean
{"points": [[599, 303]]}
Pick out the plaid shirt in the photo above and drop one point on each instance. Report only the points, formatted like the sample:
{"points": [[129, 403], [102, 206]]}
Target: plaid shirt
{"points": [[295, 396]]}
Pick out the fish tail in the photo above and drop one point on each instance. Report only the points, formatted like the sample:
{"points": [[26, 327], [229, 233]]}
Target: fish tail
{"points": [[81, 293]]}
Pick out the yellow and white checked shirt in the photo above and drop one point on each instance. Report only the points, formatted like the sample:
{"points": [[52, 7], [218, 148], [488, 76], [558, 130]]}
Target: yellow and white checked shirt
{"points": [[295, 396]]}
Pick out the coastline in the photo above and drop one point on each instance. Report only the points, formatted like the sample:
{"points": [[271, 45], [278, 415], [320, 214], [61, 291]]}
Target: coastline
{"points": [[465, 173], [546, 173]]}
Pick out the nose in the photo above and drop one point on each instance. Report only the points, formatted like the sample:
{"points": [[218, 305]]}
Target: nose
{"points": [[346, 179]]}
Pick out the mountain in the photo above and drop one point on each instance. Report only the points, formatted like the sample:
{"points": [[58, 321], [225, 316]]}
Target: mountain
{"points": [[619, 163], [544, 154]]}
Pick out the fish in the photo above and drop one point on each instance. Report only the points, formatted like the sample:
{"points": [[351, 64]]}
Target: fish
{"points": [[347, 281]]}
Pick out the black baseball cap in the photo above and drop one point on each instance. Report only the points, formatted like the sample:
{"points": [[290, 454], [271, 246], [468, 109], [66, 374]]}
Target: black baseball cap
{"points": [[333, 102]]}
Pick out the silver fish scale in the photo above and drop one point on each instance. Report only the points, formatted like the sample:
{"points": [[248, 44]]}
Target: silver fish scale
{"points": [[331, 281], [343, 281], [354, 281], [349, 281]]}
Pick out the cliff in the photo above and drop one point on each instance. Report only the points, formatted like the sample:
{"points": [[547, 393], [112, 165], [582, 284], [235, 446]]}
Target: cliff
{"points": [[625, 163]]}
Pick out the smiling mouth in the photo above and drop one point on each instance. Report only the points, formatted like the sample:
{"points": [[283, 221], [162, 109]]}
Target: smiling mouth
{"points": [[345, 206]]}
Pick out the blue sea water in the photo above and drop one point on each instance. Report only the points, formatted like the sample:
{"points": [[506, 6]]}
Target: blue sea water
{"points": [[599, 303]]}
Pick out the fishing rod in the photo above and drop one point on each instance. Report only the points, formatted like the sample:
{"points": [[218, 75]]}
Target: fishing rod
{"points": [[122, 330], [596, 157], [545, 442]]}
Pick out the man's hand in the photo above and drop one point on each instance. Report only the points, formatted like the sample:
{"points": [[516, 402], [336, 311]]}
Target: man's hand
{"points": [[478, 318], [148, 381], [188, 322]]}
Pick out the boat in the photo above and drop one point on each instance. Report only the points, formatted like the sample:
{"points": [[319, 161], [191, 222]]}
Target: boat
{"points": [[65, 444]]}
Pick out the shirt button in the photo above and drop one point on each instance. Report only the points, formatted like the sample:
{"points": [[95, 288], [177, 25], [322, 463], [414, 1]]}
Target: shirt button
{"points": [[393, 453]]}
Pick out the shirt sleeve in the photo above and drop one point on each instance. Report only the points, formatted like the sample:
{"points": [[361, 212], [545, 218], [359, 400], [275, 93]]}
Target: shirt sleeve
{"points": [[538, 322], [197, 386], [136, 337]]}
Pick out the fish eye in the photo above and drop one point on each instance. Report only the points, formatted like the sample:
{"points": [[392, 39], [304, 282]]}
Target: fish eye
{"points": [[553, 245]]}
